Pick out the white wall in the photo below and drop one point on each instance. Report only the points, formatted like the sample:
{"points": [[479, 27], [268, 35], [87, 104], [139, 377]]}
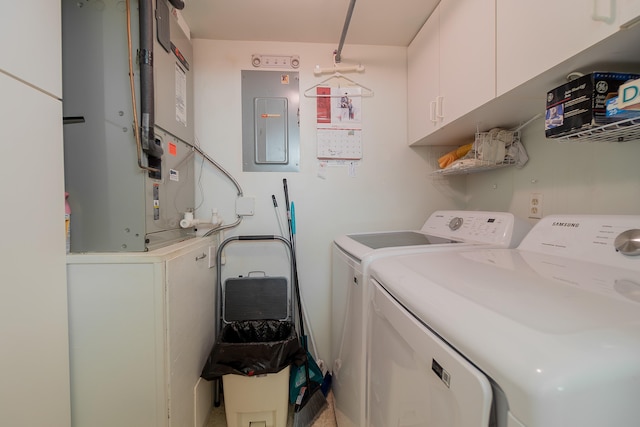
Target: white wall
{"points": [[391, 189], [573, 177]]}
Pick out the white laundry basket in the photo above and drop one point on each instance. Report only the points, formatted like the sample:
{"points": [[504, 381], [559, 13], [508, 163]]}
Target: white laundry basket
{"points": [[261, 399]]}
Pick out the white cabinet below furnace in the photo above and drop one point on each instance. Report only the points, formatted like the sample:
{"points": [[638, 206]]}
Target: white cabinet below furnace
{"points": [[141, 326]]}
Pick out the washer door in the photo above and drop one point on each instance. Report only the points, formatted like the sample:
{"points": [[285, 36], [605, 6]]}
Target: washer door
{"points": [[415, 378]]}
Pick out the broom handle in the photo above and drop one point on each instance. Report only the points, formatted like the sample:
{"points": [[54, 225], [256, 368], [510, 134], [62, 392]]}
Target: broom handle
{"points": [[296, 284]]}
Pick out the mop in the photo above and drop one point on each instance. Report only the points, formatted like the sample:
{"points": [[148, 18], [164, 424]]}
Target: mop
{"points": [[316, 370], [310, 401]]}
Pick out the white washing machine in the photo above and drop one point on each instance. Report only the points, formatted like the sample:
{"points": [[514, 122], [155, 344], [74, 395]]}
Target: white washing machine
{"points": [[443, 231], [545, 335]]}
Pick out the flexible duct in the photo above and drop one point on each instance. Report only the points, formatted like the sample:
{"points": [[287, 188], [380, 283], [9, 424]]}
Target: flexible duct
{"points": [[146, 79], [136, 127]]}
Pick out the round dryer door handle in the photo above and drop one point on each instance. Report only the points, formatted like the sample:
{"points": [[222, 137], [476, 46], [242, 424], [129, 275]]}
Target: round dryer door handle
{"points": [[628, 242]]}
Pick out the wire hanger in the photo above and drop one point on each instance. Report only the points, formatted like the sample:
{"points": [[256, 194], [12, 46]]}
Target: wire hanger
{"points": [[311, 93]]}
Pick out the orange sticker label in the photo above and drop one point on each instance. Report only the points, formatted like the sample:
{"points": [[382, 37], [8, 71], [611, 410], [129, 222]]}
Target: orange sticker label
{"points": [[173, 149]]}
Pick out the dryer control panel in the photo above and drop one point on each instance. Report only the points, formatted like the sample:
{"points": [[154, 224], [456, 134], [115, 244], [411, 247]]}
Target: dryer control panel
{"points": [[602, 239]]}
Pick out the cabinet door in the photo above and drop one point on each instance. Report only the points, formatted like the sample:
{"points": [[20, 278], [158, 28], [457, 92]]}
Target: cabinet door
{"points": [[628, 10], [116, 334], [467, 56], [33, 294], [191, 288], [423, 80], [33, 44], [534, 36]]}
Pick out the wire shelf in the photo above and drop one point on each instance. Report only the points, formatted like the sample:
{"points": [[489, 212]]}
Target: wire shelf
{"points": [[622, 131], [491, 150], [471, 166]]}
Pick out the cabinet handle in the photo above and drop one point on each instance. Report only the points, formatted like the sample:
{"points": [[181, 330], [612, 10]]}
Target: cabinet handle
{"points": [[439, 100], [606, 19], [432, 112], [199, 257]]}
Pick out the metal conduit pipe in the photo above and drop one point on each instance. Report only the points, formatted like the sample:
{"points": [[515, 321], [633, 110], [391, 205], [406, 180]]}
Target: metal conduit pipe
{"points": [[345, 28]]}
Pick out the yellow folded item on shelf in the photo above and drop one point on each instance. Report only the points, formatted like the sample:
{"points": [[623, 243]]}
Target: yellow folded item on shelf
{"points": [[447, 159], [462, 151], [454, 155]]}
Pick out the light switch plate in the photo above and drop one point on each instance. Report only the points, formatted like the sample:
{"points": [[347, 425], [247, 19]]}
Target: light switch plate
{"points": [[245, 206]]}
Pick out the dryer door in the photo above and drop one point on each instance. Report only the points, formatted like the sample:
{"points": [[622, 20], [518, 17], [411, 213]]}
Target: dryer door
{"points": [[415, 378]]}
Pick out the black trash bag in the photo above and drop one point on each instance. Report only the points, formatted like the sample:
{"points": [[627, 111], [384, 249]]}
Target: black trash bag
{"points": [[254, 347]]}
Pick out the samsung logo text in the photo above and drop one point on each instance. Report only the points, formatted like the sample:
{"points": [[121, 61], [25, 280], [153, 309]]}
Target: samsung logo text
{"points": [[566, 224]]}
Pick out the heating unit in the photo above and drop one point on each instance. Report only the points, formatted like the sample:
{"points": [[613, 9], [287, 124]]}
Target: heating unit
{"points": [[125, 197]]}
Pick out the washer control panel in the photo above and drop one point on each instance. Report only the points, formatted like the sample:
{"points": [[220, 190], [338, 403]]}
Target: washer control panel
{"points": [[496, 228], [455, 223]]}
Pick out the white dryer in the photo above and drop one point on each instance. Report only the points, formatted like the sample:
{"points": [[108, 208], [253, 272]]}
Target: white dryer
{"points": [[545, 335], [352, 254]]}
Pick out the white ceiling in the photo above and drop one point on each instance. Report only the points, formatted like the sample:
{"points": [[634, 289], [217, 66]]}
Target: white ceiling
{"points": [[374, 22]]}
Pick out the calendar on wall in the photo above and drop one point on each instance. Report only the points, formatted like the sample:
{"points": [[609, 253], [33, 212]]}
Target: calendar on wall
{"points": [[339, 123], [340, 144]]}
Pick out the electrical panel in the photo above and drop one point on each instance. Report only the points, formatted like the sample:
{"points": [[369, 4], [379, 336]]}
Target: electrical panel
{"points": [[117, 203], [270, 121]]}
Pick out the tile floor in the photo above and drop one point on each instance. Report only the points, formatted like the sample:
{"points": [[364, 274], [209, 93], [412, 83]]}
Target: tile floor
{"points": [[326, 419]]}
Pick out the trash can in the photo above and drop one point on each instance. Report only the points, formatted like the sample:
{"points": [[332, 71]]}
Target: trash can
{"points": [[260, 399], [253, 358]]}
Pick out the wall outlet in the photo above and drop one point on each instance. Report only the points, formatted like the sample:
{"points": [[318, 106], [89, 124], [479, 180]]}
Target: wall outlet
{"points": [[535, 206]]}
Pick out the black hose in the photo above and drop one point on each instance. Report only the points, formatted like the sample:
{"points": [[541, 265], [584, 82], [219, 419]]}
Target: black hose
{"points": [[178, 4]]}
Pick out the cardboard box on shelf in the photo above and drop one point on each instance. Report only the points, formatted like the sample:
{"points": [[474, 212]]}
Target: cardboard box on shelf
{"points": [[581, 104], [629, 95]]}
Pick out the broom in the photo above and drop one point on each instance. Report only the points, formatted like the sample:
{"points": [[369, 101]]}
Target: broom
{"points": [[310, 401]]}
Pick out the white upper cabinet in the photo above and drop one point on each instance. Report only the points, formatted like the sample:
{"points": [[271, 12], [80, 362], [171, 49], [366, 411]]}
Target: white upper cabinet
{"points": [[451, 65], [423, 71], [628, 11], [496, 60], [467, 56], [32, 49], [534, 36]]}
